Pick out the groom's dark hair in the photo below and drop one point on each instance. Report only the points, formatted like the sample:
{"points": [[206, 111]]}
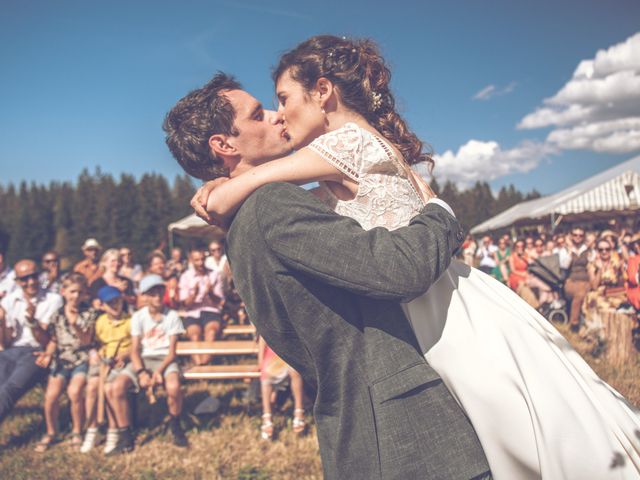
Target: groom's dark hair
{"points": [[191, 122]]}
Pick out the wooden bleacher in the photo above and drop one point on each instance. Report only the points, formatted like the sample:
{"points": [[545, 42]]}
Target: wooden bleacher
{"points": [[225, 347]]}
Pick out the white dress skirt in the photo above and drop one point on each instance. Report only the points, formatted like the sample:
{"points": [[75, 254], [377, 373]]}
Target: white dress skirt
{"points": [[539, 410]]}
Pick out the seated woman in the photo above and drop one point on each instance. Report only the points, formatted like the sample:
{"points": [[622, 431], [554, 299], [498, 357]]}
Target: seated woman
{"points": [[111, 262], [607, 277], [273, 370]]}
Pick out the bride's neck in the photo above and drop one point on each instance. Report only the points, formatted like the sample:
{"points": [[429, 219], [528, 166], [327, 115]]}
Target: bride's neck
{"points": [[340, 117]]}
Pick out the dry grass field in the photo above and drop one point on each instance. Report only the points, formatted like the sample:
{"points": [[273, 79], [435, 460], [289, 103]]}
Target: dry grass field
{"points": [[227, 447]]}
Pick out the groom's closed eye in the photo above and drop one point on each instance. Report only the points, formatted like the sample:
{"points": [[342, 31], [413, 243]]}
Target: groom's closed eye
{"points": [[258, 113]]}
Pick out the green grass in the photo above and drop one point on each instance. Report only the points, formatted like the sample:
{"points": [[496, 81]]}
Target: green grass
{"points": [[228, 447]]}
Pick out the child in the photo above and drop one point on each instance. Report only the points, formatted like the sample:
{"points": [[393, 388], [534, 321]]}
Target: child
{"points": [[155, 330], [113, 333], [71, 331]]}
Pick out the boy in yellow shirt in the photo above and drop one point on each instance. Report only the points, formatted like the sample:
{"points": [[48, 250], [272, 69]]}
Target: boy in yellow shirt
{"points": [[113, 334]]}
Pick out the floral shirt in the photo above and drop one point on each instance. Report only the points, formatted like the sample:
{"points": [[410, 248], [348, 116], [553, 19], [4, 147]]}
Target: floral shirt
{"points": [[71, 351]]}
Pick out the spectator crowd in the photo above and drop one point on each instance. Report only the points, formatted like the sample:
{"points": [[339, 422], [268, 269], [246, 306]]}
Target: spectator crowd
{"points": [[568, 272], [109, 327]]}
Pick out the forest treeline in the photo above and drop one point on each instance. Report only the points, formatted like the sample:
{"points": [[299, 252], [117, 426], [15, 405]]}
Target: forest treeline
{"points": [[126, 211]]}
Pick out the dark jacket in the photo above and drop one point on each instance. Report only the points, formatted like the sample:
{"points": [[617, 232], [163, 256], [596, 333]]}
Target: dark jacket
{"points": [[325, 295]]}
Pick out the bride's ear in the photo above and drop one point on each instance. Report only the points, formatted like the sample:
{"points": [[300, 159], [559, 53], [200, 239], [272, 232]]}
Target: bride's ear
{"points": [[325, 90], [220, 146]]}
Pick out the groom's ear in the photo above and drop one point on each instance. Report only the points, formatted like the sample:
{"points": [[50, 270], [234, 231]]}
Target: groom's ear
{"points": [[220, 146]]}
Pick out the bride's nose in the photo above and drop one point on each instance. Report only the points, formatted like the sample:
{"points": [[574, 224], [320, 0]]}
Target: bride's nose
{"points": [[275, 117]]}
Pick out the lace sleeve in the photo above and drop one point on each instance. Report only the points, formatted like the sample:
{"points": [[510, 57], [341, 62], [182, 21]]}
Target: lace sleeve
{"points": [[342, 148]]}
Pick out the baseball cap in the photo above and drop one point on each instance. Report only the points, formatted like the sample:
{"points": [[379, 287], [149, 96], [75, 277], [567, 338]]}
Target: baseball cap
{"points": [[108, 293], [150, 281]]}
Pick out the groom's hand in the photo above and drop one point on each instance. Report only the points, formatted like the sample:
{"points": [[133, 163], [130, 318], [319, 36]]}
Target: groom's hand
{"points": [[199, 200]]}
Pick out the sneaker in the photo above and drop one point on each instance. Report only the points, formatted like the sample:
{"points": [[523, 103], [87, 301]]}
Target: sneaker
{"points": [[111, 441], [179, 438], [90, 440], [123, 443]]}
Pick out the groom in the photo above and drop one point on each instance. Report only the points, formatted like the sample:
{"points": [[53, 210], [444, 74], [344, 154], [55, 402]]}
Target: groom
{"points": [[325, 295]]}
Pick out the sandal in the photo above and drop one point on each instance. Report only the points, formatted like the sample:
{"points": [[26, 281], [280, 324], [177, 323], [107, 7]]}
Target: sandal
{"points": [[299, 425], [45, 442], [76, 440], [266, 429]]}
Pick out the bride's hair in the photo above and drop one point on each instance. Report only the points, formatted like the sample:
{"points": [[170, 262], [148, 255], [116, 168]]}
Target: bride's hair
{"points": [[362, 78]]}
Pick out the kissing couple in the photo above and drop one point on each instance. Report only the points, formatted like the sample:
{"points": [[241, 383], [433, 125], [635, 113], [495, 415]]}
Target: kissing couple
{"points": [[422, 367]]}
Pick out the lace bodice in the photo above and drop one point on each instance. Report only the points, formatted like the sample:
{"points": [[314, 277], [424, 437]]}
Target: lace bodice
{"points": [[386, 197]]}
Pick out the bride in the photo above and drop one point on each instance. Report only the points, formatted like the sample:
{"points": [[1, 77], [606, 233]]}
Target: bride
{"points": [[537, 407]]}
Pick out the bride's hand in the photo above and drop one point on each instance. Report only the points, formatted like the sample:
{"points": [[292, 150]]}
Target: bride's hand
{"points": [[199, 200]]}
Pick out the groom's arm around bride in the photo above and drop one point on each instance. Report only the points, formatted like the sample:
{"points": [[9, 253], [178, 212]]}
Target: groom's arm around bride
{"points": [[324, 293]]}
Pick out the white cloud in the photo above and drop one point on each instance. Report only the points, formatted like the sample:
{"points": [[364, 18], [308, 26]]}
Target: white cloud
{"points": [[485, 93], [599, 107], [491, 91], [616, 136], [486, 161]]}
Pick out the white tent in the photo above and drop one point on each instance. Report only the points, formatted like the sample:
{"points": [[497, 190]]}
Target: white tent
{"points": [[194, 226], [612, 193]]}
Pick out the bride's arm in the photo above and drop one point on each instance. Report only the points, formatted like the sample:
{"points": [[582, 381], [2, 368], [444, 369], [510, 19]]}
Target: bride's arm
{"points": [[302, 167]]}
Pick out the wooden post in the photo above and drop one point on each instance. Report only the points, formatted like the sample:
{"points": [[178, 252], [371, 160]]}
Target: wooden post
{"points": [[617, 333]]}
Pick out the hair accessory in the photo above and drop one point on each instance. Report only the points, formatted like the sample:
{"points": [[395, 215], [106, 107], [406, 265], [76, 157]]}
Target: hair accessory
{"points": [[376, 101]]}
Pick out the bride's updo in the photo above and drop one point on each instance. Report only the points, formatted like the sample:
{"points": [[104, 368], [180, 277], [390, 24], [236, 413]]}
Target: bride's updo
{"points": [[361, 77]]}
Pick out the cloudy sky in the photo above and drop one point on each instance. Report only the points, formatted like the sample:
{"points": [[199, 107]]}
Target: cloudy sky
{"points": [[541, 94]]}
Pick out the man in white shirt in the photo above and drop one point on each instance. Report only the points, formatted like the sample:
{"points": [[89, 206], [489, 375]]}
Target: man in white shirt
{"points": [[217, 258], [24, 316], [486, 253]]}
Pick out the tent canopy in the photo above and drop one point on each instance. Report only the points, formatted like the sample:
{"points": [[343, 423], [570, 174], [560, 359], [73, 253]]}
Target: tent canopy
{"points": [[616, 190]]}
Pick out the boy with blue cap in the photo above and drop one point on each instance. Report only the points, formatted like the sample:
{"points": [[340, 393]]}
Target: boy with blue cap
{"points": [[155, 330], [113, 334]]}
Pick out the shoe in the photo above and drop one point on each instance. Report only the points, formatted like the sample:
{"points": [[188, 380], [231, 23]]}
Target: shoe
{"points": [[45, 442], [123, 442], [111, 441], [90, 440], [179, 438], [299, 424], [266, 429]]}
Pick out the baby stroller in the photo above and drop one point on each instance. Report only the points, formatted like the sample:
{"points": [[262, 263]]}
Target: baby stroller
{"points": [[548, 270]]}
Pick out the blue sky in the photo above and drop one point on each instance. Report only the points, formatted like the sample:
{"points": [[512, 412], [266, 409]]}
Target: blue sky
{"points": [[87, 84]]}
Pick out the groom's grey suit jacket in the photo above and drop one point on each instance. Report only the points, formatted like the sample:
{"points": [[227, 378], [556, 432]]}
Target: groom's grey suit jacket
{"points": [[325, 296]]}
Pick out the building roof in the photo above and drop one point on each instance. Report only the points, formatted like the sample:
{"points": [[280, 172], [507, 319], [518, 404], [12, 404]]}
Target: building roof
{"points": [[614, 190]]}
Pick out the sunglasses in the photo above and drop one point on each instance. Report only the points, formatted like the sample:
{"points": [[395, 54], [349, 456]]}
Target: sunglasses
{"points": [[26, 278], [50, 260], [604, 249]]}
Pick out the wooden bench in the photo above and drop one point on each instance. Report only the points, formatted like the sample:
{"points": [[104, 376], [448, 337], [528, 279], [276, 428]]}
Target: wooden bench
{"points": [[239, 330], [227, 348], [222, 372], [218, 347]]}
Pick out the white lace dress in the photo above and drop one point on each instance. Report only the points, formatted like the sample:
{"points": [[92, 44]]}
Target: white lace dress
{"points": [[539, 410]]}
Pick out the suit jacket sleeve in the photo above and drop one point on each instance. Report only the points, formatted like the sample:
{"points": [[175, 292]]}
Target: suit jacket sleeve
{"points": [[308, 237]]}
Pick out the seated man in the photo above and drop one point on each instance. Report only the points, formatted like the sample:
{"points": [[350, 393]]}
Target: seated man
{"points": [[24, 316], [155, 331]]}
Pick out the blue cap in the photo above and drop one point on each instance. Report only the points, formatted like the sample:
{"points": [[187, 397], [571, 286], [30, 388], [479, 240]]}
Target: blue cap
{"points": [[108, 293], [150, 281]]}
